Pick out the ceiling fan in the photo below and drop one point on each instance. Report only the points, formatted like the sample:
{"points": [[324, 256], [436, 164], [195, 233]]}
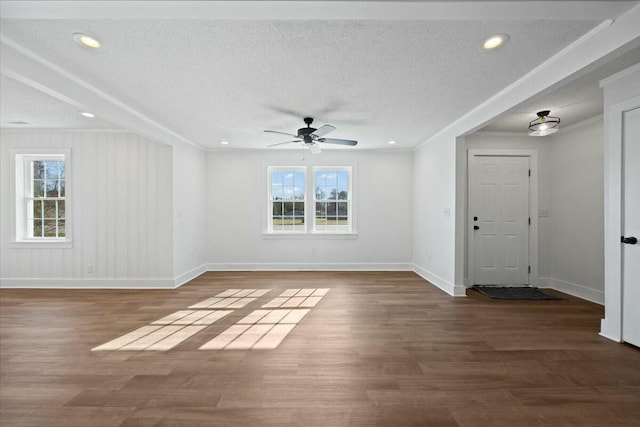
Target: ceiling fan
{"points": [[312, 136]]}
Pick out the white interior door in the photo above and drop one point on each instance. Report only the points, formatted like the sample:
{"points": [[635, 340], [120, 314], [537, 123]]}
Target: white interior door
{"points": [[499, 219], [631, 228]]}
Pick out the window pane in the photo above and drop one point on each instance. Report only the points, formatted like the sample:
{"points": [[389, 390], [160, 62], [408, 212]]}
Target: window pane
{"points": [[276, 191], [320, 194], [277, 208], [38, 188], [288, 178], [49, 228], [331, 209], [60, 208], [52, 188], [61, 230], [51, 170], [342, 209], [37, 209], [37, 228], [298, 209], [62, 189], [321, 208], [288, 192], [288, 208], [61, 169], [49, 209], [38, 170]]}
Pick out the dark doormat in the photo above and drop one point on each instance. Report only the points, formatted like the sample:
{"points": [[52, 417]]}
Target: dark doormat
{"points": [[514, 293]]}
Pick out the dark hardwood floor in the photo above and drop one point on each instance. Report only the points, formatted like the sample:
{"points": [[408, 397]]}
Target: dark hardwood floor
{"points": [[379, 349]]}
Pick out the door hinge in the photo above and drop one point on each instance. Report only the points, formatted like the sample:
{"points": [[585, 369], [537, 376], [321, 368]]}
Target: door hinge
{"points": [[529, 269], [529, 172], [529, 220]]}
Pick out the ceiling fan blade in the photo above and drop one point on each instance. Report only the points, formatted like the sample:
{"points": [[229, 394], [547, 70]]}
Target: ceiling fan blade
{"points": [[281, 133], [281, 143], [323, 130], [338, 141]]}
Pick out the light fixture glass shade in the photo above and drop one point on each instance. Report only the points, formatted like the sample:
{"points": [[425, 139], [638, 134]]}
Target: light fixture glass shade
{"points": [[544, 125], [315, 148]]}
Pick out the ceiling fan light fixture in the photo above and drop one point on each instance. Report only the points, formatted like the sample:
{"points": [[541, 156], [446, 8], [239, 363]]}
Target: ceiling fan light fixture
{"points": [[315, 149], [86, 40], [544, 125], [495, 41]]}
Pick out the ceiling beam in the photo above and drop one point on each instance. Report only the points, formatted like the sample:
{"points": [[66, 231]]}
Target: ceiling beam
{"points": [[566, 65], [31, 69], [317, 10]]}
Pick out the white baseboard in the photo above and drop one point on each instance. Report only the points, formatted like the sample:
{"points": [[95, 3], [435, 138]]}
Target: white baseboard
{"points": [[84, 283], [189, 275], [328, 266], [574, 289], [448, 287], [611, 330]]}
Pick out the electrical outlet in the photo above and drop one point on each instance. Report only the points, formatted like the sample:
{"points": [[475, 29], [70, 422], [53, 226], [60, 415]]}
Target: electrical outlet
{"points": [[90, 268]]}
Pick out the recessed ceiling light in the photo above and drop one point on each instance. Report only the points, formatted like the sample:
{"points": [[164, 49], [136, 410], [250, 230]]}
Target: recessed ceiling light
{"points": [[495, 41], [87, 114], [224, 142], [392, 142], [86, 40]]}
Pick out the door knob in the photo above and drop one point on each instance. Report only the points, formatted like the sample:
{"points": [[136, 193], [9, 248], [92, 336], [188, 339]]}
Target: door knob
{"points": [[475, 227], [629, 240]]}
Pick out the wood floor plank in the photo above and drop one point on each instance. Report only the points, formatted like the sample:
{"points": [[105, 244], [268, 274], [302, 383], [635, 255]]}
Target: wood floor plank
{"points": [[372, 349]]}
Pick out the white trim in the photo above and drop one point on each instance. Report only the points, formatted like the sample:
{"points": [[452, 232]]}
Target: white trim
{"points": [[311, 236], [439, 282], [611, 325], [574, 289], [348, 10], [533, 208], [62, 130], [189, 275], [619, 75], [579, 124], [84, 283], [324, 266]]}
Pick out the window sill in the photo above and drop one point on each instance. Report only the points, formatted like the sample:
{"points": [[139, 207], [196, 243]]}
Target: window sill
{"points": [[312, 236], [40, 244]]}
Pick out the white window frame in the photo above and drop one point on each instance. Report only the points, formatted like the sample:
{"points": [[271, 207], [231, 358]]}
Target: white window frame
{"points": [[23, 180], [333, 229], [270, 200], [310, 230]]}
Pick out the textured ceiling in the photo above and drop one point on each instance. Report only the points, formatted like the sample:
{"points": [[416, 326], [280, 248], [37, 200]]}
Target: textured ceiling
{"points": [[209, 80], [578, 100], [35, 109]]}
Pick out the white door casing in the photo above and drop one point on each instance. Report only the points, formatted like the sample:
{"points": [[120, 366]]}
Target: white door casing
{"points": [[499, 207], [631, 227]]}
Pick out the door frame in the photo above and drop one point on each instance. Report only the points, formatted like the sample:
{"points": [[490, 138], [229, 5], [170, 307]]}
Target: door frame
{"points": [[533, 207], [611, 325]]}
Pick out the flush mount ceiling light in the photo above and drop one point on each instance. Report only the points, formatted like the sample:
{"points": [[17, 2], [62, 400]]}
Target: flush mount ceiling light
{"points": [[544, 124], [87, 114], [495, 41], [86, 40], [392, 142], [224, 142]]}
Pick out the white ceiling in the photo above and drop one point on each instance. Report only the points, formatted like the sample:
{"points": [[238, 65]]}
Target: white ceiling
{"points": [[204, 72]]}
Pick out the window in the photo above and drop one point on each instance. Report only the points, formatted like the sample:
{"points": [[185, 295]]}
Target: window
{"points": [[332, 200], [42, 205], [329, 211], [287, 199]]}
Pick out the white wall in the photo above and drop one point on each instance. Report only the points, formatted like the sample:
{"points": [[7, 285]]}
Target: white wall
{"points": [[577, 210], [434, 198], [237, 204], [121, 213], [189, 212]]}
